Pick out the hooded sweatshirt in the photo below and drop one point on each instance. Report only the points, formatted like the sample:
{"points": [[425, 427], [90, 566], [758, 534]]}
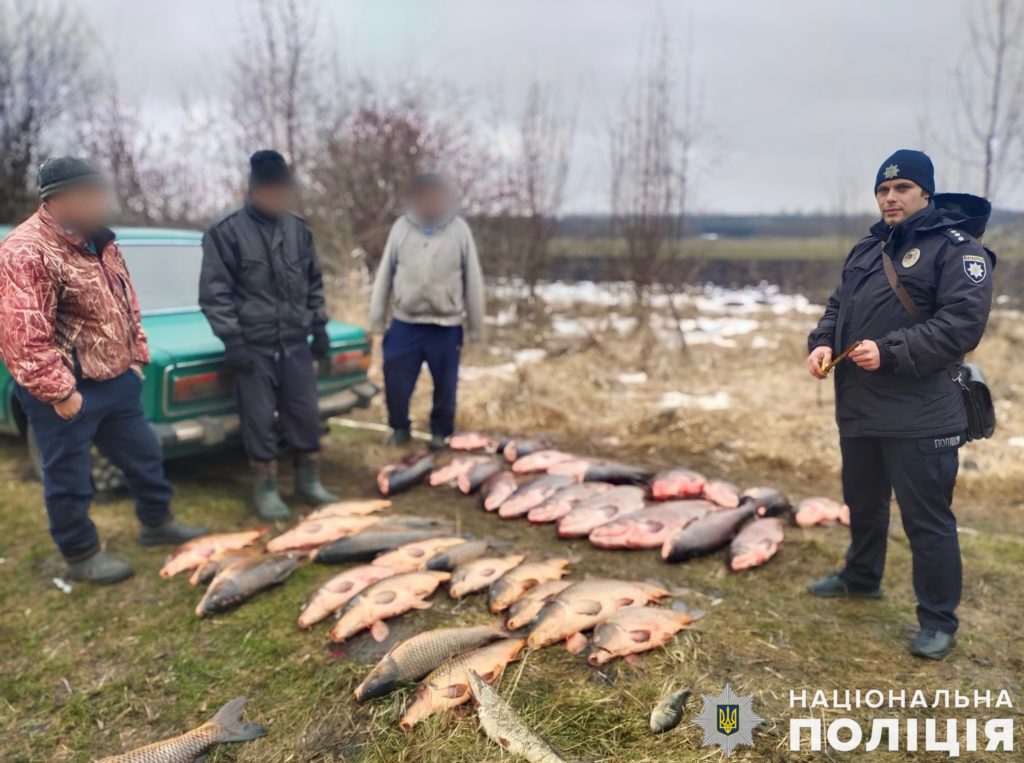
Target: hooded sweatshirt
{"points": [[433, 274]]}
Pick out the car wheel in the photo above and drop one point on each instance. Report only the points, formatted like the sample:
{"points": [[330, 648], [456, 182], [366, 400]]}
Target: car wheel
{"points": [[106, 477]]}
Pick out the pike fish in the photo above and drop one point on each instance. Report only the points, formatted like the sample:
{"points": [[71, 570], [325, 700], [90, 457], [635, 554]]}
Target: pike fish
{"points": [[404, 474], [224, 727], [541, 461], [339, 590], [590, 470], [349, 509], [767, 501], [317, 532], [821, 511], [475, 478], [417, 656], [677, 483], [480, 573], [706, 534], [721, 493], [648, 528], [472, 441], [497, 489], [516, 449], [600, 509], [531, 494], [755, 544], [384, 599], [415, 555], [448, 685], [448, 559], [635, 629], [245, 578], [504, 727], [217, 561], [455, 469], [562, 502], [527, 606], [669, 711], [191, 554], [585, 605], [510, 587], [364, 546]]}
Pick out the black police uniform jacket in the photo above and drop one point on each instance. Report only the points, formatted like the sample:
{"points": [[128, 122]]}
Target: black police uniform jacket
{"points": [[948, 273], [261, 283]]}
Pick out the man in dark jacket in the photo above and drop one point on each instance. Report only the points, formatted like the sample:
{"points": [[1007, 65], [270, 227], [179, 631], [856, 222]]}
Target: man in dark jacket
{"points": [[262, 291], [900, 412]]}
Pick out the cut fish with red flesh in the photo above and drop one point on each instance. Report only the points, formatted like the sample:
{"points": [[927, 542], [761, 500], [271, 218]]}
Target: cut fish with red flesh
{"points": [[821, 511], [471, 441], [541, 461], [721, 493], [650, 527], [497, 489], [562, 502], [600, 509], [677, 483], [756, 543], [455, 469], [532, 494]]}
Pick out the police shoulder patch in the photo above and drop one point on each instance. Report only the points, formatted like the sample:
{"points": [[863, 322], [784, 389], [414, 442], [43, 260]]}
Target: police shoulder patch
{"points": [[975, 267], [956, 236]]}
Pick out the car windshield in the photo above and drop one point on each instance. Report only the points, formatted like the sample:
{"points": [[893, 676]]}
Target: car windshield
{"points": [[165, 276]]}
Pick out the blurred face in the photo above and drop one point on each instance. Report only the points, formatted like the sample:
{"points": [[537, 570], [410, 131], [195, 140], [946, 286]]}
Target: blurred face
{"points": [[432, 204], [899, 199], [273, 200], [84, 208]]}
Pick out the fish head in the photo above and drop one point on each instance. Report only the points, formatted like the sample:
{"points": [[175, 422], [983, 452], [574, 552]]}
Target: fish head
{"points": [[221, 594], [380, 682], [424, 704], [549, 625]]}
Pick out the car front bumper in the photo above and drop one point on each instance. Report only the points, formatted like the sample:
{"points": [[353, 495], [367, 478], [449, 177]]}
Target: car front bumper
{"points": [[210, 431]]}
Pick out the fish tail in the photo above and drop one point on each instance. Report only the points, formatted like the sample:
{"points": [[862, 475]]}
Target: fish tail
{"points": [[231, 727]]}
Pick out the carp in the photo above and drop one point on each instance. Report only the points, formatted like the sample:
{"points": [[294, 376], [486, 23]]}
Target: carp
{"points": [[821, 511], [217, 561], [317, 532], [479, 574], [472, 441], [191, 554], [404, 474], [497, 489], [516, 449], [364, 546], [414, 556], [454, 469], [245, 578], [541, 461], [450, 558], [507, 590], [475, 478], [767, 501], [721, 493], [600, 509], [669, 711], [591, 470], [339, 590], [531, 494], [677, 483], [585, 605], [349, 509], [447, 686], [649, 527], [562, 502], [527, 606], [755, 544], [417, 656], [635, 629], [224, 727], [707, 534], [384, 599], [504, 727]]}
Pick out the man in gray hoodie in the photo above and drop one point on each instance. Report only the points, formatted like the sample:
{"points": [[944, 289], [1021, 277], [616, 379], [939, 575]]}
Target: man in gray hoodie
{"points": [[430, 266]]}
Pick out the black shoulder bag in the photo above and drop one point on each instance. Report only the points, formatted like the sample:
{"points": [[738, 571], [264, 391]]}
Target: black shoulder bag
{"points": [[981, 414]]}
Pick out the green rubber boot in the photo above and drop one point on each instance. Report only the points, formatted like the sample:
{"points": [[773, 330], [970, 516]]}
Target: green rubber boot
{"points": [[265, 496], [101, 568], [308, 487]]}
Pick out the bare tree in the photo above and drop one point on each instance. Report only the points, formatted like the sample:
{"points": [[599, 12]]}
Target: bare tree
{"points": [[45, 77], [990, 102]]}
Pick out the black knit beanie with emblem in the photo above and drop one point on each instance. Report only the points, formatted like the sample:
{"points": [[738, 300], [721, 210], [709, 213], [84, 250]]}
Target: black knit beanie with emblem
{"points": [[908, 164]]}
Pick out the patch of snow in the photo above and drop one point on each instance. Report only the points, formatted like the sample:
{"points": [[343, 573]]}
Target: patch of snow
{"points": [[632, 377], [1016, 442], [528, 356], [716, 402], [760, 343]]}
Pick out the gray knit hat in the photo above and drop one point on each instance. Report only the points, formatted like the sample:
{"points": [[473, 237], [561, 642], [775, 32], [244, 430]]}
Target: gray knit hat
{"points": [[61, 172]]}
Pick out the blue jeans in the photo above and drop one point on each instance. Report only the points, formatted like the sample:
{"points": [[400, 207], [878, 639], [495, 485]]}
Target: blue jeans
{"points": [[406, 347], [112, 418]]}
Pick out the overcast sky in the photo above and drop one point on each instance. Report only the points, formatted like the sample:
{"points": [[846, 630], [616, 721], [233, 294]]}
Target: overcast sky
{"points": [[803, 97]]}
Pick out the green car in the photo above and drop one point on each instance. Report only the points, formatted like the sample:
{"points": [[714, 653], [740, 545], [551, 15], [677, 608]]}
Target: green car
{"points": [[187, 393]]}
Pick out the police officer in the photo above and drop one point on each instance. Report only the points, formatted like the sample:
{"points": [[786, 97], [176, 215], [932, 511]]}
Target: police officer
{"points": [[901, 415]]}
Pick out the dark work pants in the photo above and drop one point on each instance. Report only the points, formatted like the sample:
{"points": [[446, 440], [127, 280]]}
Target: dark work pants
{"points": [[922, 473], [284, 384], [406, 347], [112, 418]]}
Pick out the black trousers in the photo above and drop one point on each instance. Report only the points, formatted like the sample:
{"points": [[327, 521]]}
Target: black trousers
{"points": [[922, 473], [284, 384], [406, 347]]}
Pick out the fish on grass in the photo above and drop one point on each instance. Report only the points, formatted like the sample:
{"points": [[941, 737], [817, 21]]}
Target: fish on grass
{"points": [[532, 494], [404, 474], [595, 470], [505, 727], [530, 603], [414, 556], [821, 511], [472, 441], [454, 469], [366, 545], [507, 590], [450, 558], [541, 461], [649, 527], [474, 479], [599, 510], [669, 711], [217, 561], [677, 483], [722, 493], [517, 448], [415, 657], [496, 490], [311, 533], [565, 500], [448, 685], [633, 630], [244, 579], [480, 573], [339, 590], [350, 508], [225, 727], [755, 544], [191, 554], [384, 599]]}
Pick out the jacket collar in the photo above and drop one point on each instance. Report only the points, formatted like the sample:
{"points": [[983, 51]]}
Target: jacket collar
{"points": [[259, 215], [73, 238]]}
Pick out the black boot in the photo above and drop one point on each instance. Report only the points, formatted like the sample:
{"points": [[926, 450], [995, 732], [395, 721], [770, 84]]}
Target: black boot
{"points": [[438, 443], [932, 644], [833, 586], [101, 568], [399, 437], [308, 487], [170, 533], [265, 496]]}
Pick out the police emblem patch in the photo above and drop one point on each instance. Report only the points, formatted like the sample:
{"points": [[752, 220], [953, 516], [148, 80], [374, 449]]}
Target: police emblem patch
{"points": [[728, 720], [911, 257], [891, 171], [975, 267]]}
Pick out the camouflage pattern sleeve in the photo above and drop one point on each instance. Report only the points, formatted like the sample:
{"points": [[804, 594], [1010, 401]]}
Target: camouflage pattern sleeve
{"points": [[140, 347], [28, 310]]}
